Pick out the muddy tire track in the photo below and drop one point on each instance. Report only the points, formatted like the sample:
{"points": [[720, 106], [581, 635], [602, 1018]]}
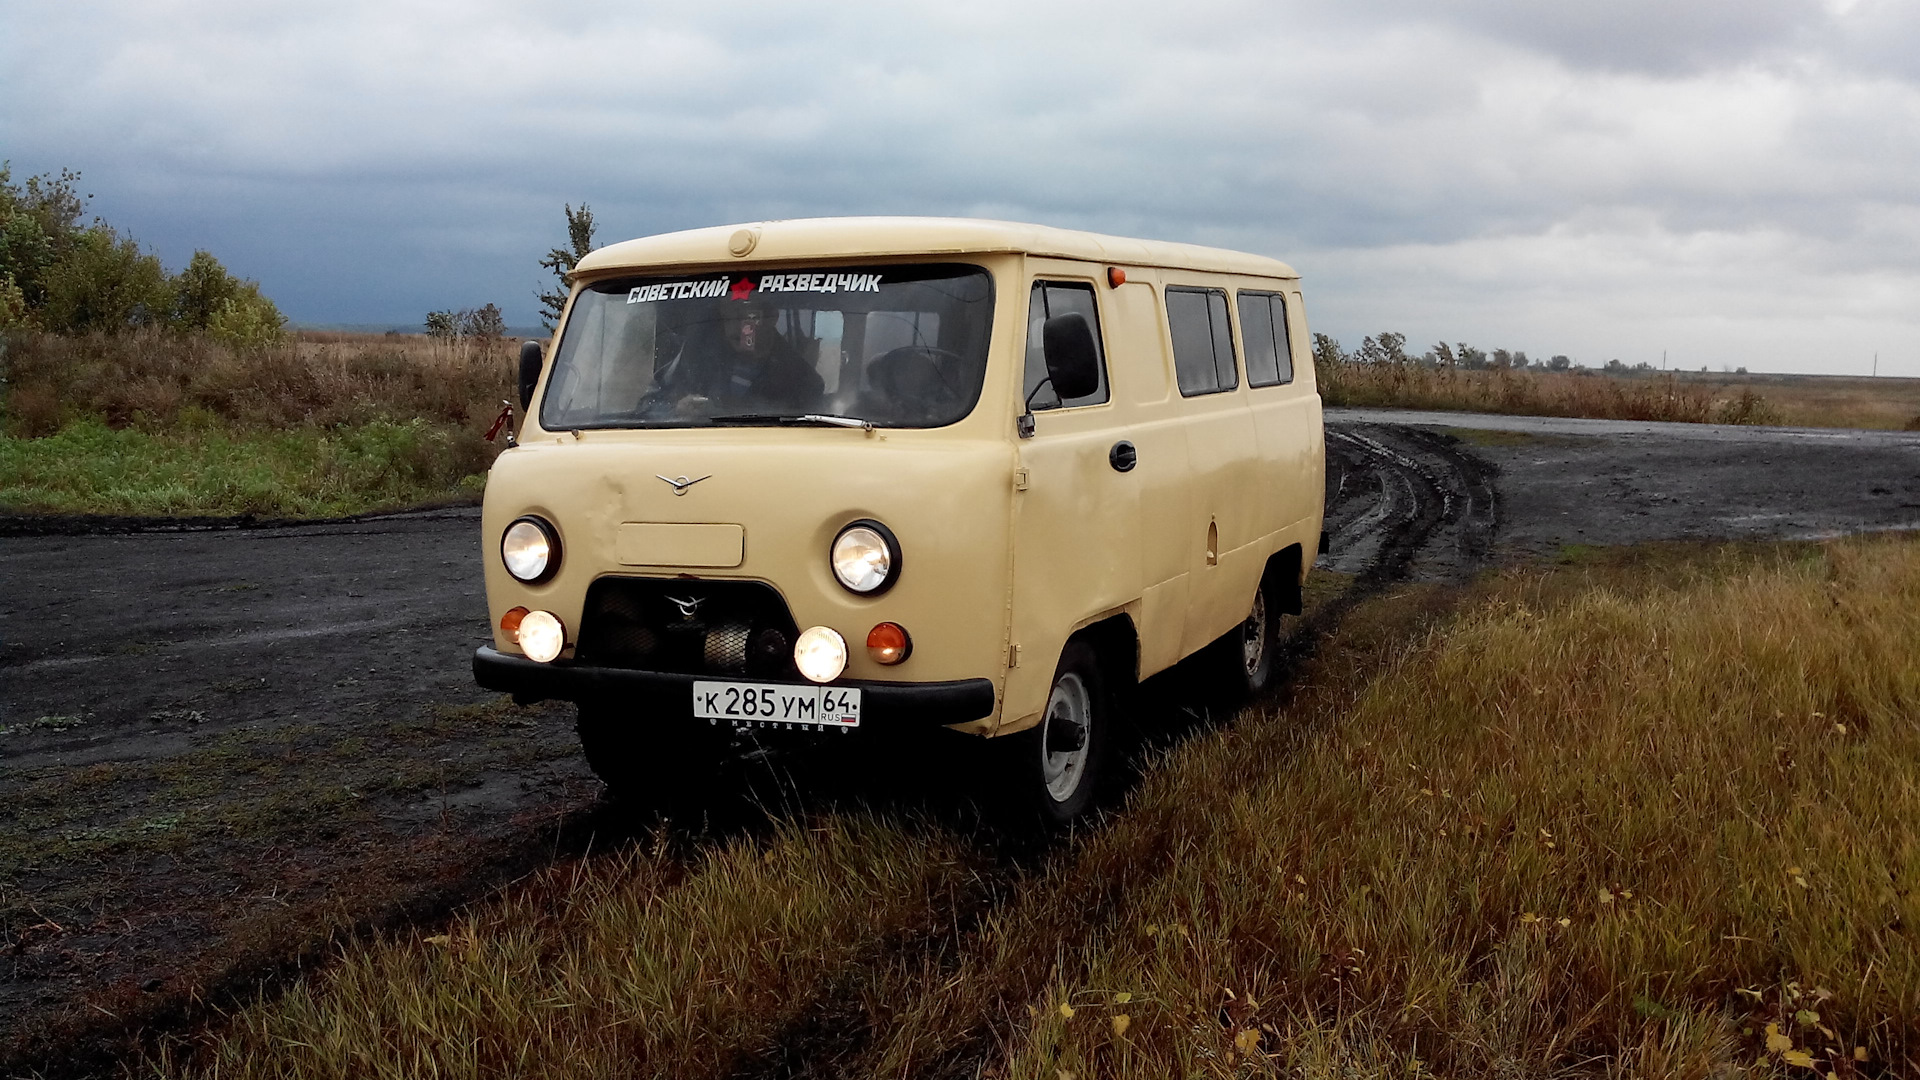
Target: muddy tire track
{"points": [[1407, 503]]}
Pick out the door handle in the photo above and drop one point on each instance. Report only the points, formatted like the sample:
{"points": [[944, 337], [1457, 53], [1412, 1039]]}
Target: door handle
{"points": [[1123, 457]]}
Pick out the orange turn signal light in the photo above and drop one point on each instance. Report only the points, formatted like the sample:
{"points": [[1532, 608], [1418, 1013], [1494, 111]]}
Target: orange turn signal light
{"points": [[1116, 277], [888, 643], [510, 623]]}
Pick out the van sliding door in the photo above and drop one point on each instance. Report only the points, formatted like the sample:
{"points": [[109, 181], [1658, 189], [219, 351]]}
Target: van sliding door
{"points": [[1223, 465]]}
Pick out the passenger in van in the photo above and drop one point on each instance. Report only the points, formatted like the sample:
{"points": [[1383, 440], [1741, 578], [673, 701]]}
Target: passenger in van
{"points": [[740, 362]]}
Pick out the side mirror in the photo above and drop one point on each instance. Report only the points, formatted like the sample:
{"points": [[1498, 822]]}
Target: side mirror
{"points": [[1073, 360], [532, 359]]}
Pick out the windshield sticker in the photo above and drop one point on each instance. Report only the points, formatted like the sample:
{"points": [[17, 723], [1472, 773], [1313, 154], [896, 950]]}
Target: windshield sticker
{"points": [[822, 283], [744, 287], [677, 290]]}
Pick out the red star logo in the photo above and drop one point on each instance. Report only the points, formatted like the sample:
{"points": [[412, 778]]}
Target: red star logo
{"points": [[740, 289]]}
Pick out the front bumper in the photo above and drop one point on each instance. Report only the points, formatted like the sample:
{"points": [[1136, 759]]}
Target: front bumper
{"points": [[887, 704]]}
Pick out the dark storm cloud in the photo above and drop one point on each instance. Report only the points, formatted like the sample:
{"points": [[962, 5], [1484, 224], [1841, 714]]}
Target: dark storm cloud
{"points": [[1652, 36], [1477, 168]]}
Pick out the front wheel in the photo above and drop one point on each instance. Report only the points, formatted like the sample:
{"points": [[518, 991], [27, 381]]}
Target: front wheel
{"points": [[1057, 769]]}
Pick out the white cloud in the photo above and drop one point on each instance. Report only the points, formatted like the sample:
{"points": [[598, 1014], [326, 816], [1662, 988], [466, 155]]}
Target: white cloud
{"points": [[1594, 181]]}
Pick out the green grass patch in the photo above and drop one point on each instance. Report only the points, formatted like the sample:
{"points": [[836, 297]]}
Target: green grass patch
{"points": [[212, 469]]}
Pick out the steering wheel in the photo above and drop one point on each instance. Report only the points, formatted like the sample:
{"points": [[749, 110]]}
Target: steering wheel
{"points": [[933, 396]]}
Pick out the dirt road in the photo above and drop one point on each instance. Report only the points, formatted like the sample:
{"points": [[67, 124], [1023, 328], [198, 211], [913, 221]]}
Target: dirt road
{"points": [[1569, 481], [219, 743]]}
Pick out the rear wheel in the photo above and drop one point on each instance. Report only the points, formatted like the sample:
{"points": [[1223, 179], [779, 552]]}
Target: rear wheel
{"points": [[663, 763], [1245, 657], [1057, 769]]}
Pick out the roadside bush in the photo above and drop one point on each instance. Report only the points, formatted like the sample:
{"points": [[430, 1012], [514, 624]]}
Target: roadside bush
{"points": [[248, 320], [13, 305], [1748, 408], [39, 219], [61, 276], [104, 282], [484, 322], [201, 291]]}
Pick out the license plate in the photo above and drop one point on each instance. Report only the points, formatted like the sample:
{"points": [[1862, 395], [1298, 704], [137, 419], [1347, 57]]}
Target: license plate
{"points": [[777, 703]]}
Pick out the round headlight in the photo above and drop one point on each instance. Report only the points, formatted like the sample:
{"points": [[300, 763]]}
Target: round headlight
{"points": [[541, 636], [866, 558], [531, 550], [820, 654]]}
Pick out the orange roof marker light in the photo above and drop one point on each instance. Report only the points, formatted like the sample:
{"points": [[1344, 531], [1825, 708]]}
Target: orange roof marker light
{"points": [[1116, 277]]}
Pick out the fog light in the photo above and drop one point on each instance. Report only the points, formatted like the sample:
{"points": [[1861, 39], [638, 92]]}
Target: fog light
{"points": [[888, 643], [820, 654], [510, 623], [541, 636]]}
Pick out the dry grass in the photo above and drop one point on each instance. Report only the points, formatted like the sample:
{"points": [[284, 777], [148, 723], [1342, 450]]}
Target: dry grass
{"points": [[629, 966], [1687, 397], [160, 423], [1596, 825], [151, 378], [1647, 815]]}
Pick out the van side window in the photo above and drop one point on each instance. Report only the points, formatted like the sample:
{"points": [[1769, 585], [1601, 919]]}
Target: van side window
{"points": [[1052, 298], [1202, 340], [1263, 326]]}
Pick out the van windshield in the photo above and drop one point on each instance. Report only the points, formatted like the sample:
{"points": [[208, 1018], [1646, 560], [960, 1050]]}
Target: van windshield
{"points": [[894, 346]]}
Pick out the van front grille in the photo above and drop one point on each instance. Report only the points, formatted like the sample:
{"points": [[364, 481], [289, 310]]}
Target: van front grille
{"points": [[688, 627]]}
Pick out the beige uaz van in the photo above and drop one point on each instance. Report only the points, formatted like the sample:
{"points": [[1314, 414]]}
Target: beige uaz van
{"points": [[844, 475]]}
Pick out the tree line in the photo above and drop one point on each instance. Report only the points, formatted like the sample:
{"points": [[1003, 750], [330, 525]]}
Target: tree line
{"points": [[62, 274], [1391, 348]]}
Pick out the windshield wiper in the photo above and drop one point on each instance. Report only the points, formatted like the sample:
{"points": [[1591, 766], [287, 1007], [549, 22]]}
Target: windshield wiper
{"points": [[821, 419]]}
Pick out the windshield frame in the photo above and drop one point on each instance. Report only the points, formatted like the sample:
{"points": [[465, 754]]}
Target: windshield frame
{"points": [[612, 281]]}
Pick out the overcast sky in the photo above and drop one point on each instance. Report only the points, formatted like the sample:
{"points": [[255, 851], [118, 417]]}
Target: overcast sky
{"points": [[1735, 182]]}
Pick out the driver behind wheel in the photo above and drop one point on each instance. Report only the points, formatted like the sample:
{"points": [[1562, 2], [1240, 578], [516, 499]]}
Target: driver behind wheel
{"points": [[743, 364]]}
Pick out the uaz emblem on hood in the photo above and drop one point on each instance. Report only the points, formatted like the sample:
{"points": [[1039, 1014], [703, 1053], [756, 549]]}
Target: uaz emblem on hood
{"points": [[681, 484]]}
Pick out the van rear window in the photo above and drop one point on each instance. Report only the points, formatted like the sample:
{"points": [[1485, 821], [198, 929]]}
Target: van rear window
{"points": [[1263, 327], [1202, 340], [895, 346]]}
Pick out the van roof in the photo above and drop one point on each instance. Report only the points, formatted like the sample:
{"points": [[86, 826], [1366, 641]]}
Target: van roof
{"points": [[855, 237]]}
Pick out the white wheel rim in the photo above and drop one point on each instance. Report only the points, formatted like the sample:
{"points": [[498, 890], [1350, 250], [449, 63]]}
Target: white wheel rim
{"points": [[1070, 705], [1253, 635]]}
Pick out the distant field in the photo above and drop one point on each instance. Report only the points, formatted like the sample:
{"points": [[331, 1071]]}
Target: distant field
{"points": [[1691, 397], [1647, 812], [1831, 400], [335, 423], [154, 423]]}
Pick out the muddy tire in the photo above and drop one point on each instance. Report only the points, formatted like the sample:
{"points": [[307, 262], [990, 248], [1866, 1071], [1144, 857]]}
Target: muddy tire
{"points": [[1245, 657], [665, 764], [1056, 772]]}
